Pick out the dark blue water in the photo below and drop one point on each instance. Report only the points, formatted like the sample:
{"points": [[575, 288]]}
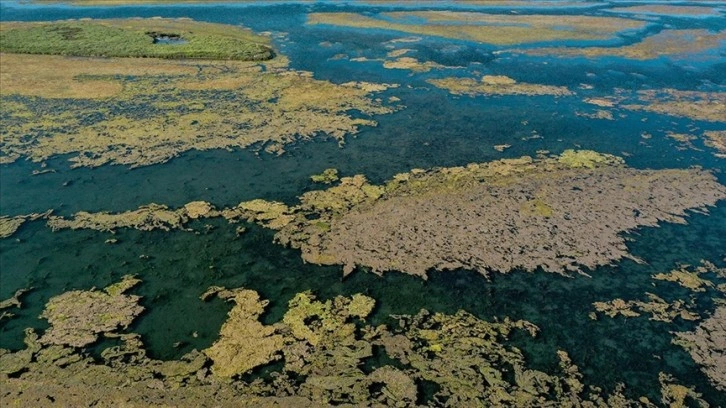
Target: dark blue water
{"points": [[436, 129]]}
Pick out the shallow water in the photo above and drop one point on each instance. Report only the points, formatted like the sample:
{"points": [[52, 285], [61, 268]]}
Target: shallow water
{"points": [[435, 129]]}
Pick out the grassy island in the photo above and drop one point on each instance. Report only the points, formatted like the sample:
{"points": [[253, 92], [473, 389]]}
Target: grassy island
{"points": [[152, 38]]}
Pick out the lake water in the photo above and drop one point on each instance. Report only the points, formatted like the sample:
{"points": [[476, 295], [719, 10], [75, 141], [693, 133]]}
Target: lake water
{"points": [[435, 129]]}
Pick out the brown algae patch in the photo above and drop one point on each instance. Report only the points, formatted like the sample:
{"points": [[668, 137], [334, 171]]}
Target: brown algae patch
{"points": [[558, 214], [694, 105], [496, 85], [324, 345], [667, 43], [78, 317], [140, 112], [486, 28], [707, 346]]}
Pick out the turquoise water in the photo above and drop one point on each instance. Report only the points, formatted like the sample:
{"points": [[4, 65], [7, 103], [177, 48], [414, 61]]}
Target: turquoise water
{"points": [[436, 129]]}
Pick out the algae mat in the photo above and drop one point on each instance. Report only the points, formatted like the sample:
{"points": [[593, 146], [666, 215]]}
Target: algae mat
{"points": [[527, 209], [139, 112]]}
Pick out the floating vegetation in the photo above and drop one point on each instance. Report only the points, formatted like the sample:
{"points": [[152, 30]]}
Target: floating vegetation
{"points": [[696, 105], [244, 342], [717, 140], [688, 279], [135, 38], [162, 108], [10, 225], [658, 309], [328, 176], [526, 213], [324, 344], [146, 218], [78, 317], [496, 29], [496, 85], [11, 303], [667, 43], [521, 218], [707, 346]]}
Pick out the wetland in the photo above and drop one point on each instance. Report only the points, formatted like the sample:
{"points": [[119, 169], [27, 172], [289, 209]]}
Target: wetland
{"points": [[378, 203]]}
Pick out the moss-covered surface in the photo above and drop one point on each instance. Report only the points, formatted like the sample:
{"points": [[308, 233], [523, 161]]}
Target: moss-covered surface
{"points": [[135, 38], [140, 112], [325, 345], [328, 176]]}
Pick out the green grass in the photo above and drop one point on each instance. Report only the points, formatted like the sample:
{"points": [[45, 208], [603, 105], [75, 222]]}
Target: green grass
{"points": [[134, 38]]}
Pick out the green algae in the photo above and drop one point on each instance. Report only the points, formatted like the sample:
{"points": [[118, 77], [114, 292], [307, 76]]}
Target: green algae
{"points": [[328, 176], [135, 38], [244, 342], [324, 345], [168, 107], [587, 158]]}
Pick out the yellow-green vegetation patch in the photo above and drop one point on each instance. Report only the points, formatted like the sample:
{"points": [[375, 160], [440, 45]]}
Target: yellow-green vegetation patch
{"points": [[696, 105], [328, 176], [658, 309], [682, 44], [146, 111], [10, 225], [11, 303], [244, 342], [694, 278], [325, 344], [689, 277], [482, 27], [146, 218], [78, 317], [143, 38], [496, 85]]}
